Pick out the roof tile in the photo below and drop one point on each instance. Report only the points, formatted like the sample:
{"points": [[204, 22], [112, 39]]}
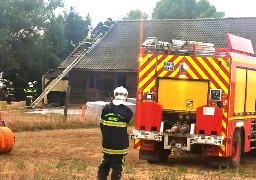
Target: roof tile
{"points": [[118, 50]]}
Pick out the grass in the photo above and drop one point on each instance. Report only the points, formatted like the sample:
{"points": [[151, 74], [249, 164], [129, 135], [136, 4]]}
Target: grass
{"points": [[47, 147], [19, 120], [26, 122]]}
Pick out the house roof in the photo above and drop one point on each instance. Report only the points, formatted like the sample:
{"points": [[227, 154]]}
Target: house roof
{"points": [[118, 50]]}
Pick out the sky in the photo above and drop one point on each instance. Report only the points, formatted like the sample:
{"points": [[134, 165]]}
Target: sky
{"points": [[100, 10]]}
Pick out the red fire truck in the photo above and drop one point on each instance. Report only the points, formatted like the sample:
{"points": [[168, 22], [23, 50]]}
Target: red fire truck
{"points": [[197, 99]]}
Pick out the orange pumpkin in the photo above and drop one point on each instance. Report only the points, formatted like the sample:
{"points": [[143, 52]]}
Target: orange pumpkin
{"points": [[6, 140]]}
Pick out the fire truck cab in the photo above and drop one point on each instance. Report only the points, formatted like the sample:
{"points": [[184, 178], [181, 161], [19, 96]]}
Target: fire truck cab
{"points": [[193, 98]]}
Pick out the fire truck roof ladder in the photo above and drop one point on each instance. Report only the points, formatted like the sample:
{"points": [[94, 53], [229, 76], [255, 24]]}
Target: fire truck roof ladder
{"points": [[180, 47], [75, 57]]}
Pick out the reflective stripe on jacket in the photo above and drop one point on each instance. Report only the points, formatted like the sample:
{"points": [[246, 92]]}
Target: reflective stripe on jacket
{"points": [[113, 124], [30, 92]]}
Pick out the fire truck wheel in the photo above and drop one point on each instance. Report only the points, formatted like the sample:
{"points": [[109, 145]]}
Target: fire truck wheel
{"points": [[236, 149], [160, 154], [162, 157]]}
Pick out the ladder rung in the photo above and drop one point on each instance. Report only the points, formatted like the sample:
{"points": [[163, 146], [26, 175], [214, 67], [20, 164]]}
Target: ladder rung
{"points": [[252, 140]]}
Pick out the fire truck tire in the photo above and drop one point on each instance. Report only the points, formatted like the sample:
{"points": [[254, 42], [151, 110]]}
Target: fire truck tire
{"points": [[164, 155], [234, 160], [160, 155], [236, 149]]}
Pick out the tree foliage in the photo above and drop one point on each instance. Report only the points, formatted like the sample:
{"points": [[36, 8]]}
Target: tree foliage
{"points": [[34, 39], [135, 15], [76, 29], [185, 9]]}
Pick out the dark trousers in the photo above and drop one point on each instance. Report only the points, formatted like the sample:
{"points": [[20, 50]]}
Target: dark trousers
{"points": [[9, 99], [29, 101], [113, 161]]}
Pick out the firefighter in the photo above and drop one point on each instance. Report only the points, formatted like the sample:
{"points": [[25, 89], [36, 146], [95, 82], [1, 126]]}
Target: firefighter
{"points": [[97, 30], [30, 92], [35, 85], [3, 88], [114, 119], [106, 25], [88, 42], [10, 93]]}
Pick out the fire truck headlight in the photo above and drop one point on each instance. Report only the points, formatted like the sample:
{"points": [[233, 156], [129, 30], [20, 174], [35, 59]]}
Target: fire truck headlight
{"points": [[187, 117]]}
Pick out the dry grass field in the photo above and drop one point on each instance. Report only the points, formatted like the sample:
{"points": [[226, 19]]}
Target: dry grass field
{"points": [[46, 147]]}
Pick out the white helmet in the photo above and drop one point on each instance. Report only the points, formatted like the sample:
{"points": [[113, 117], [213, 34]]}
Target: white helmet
{"points": [[30, 84], [120, 94]]}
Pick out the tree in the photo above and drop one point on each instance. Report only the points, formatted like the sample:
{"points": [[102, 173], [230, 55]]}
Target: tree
{"points": [[76, 29], [33, 39], [54, 39], [205, 10], [185, 9], [135, 15], [23, 26]]}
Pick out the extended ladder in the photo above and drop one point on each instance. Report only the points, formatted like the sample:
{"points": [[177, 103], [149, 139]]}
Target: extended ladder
{"points": [[75, 57]]}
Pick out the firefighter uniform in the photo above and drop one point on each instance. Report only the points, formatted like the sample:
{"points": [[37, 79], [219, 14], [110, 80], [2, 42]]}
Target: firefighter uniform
{"points": [[106, 25], [10, 93], [88, 42], [115, 141], [30, 93], [97, 30]]}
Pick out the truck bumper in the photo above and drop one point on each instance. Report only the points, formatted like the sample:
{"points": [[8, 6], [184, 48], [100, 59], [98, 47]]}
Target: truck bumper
{"points": [[146, 135], [209, 140]]}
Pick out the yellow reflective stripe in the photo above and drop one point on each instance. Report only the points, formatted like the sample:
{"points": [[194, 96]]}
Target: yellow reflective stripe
{"points": [[110, 114], [111, 117], [101, 121], [113, 151], [241, 117], [115, 124], [150, 86], [192, 74], [145, 59], [217, 67]]}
